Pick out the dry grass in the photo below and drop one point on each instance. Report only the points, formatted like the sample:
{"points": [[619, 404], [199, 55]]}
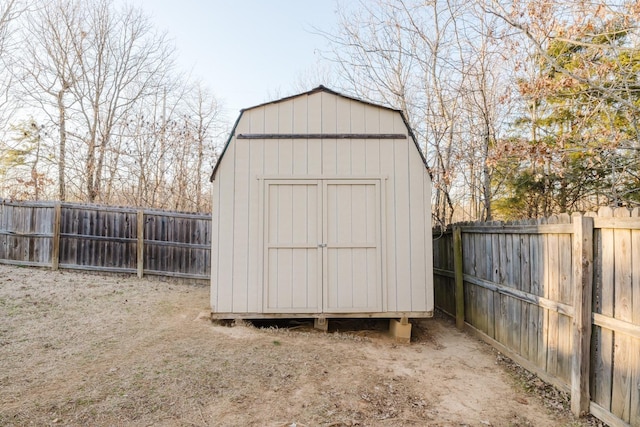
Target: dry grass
{"points": [[85, 349]]}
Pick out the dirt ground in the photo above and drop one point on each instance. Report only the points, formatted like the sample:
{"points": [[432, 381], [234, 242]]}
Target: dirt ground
{"points": [[87, 349]]}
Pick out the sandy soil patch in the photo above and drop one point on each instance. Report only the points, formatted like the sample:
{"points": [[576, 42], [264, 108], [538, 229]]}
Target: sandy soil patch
{"points": [[105, 350]]}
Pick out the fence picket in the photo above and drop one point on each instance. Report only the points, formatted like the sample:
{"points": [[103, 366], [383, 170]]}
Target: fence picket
{"points": [[461, 311], [534, 310], [581, 327], [495, 278], [514, 305], [525, 285], [621, 393], [489, 295], [564, 286], [552, 292], [635, 305], [604, 365], [468, 291]]}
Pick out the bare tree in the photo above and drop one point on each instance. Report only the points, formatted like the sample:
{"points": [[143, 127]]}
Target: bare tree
{"points": [[170, 146], [437, 63], [375, 54], [205, 114], [113, 118], [121, 61], [487, 102], [46, 69], [10, 11], [86, 66]]}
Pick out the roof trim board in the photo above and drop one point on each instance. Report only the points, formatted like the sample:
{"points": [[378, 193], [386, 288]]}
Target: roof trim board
{"points": [[322, 136]]}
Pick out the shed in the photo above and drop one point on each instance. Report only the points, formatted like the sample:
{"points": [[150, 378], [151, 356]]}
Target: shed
{"points": [[321, 209]]}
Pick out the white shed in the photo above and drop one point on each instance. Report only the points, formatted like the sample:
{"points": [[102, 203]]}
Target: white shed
{"points": [[321, 209]]}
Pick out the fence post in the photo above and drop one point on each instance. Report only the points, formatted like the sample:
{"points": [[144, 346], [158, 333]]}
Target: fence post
{"points": [[459, 279], [582, 260], [55, 250], [140, 245]]}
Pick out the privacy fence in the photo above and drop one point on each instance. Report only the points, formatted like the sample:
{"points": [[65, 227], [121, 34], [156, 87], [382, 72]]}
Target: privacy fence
{"points": [[104, 238], [561, 296]]}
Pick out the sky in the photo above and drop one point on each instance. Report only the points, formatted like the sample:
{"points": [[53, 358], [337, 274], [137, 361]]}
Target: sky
{"points": [[245, 51]]}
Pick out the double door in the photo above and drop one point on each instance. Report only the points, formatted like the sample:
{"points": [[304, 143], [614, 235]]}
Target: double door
{"points": [[322, 250]]}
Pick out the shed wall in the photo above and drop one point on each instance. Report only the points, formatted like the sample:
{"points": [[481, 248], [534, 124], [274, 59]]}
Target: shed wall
{"points": [[237, 264]]}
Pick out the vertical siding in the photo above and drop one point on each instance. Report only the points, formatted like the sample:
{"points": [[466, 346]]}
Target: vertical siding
{"points": [[343, 125], [314, 113], [329, 113], [224, 209], [387, 168], [417, 231], [254, 252], [300, 147], [403, 219], [285, 146], [371, 153], [241, 190], [357, 146], [271, 146], [428, 242], [215, 245], [314, 125]]}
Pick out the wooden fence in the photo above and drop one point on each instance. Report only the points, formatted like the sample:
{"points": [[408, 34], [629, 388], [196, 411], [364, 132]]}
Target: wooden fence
{"points": [[561, 296], [103, 238]]}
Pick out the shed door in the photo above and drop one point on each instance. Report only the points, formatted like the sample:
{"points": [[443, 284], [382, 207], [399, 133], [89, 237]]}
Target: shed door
{"points": [[322, 246], [293, 259], [351, 228]]}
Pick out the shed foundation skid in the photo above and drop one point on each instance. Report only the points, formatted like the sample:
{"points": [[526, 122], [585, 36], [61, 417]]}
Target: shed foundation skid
{"points": [[274, 316]]}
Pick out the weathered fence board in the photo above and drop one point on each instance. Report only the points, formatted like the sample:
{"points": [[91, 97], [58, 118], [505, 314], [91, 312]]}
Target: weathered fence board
{"points": [[25, 234], [443, 282], [96, 237], [621, 389], [525, 286], [178, 241], [635, 304], [105, 238]]}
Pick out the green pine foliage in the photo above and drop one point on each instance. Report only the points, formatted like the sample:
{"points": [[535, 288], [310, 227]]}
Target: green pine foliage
{"points": [[579, 145]]}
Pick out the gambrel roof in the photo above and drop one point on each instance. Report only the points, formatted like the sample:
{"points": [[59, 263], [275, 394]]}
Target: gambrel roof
{"points": [[317, 136]]}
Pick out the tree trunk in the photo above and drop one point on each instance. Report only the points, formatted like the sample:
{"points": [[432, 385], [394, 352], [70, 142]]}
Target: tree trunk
{"points": [[62, 192]]}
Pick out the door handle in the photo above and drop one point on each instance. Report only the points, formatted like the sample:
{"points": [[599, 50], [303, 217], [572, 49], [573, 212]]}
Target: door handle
{"points": [[322, 245]]}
